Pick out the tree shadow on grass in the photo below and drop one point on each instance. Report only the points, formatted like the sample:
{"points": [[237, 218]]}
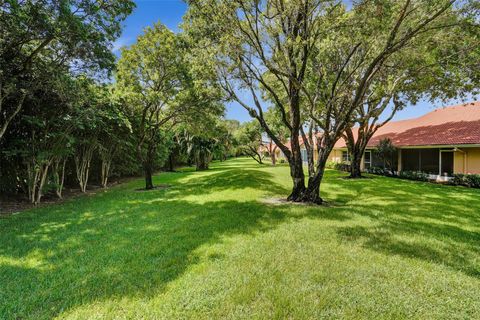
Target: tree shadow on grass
{"points": [[232, 179], [122, 243], [434, 223]]}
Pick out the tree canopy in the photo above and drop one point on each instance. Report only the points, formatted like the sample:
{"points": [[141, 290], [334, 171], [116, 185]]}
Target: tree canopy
{"points": [[320, 62]]}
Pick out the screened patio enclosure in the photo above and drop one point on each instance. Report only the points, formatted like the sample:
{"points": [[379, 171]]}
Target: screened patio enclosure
{"points": [[431, 161]]}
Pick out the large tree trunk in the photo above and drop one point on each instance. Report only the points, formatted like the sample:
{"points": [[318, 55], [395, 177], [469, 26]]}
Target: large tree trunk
{"points": [[171, 162], [201, 162], [148, 166], [356, 149], [298, 177], [355, 163], [296, 172], [148, 177], [295, 161], [312, 193]]}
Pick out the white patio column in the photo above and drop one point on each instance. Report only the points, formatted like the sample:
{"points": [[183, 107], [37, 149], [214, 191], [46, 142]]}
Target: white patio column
{"points": [[440, 162]]}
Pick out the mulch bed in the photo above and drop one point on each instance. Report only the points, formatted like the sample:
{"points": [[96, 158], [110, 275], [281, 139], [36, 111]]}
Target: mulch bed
{"points": [[14, 204]]}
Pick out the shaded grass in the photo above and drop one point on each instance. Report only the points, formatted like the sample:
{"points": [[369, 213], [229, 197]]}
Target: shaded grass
{"points": [[207, 247]]}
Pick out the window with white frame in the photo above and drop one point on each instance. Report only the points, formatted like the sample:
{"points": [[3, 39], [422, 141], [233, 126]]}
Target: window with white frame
{"points": [[368, 159], [345, 156]]}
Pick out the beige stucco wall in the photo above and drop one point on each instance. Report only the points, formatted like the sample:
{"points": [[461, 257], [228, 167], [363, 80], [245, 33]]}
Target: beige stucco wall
{"points": [[458, 162], [335, 155], [473, 160], [467, 161], [471, 165]]}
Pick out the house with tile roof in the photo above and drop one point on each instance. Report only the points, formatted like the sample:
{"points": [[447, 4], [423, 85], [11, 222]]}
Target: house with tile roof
{"points": [[441, 143]]}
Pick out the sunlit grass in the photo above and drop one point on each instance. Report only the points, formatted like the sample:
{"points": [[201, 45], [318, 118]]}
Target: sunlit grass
{"points": [[209, 247]]}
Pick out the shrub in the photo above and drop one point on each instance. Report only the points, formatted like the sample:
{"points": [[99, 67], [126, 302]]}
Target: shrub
{"points": [[340, 166], [377, 170], [467, 180], [330, 164], [459, 180], [473, 180], [413, 175], [382, 171]]}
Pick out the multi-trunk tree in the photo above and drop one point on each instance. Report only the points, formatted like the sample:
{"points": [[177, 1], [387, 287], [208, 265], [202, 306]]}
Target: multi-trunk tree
{"points": [[247, 43], [316, 61], [435, 68]]}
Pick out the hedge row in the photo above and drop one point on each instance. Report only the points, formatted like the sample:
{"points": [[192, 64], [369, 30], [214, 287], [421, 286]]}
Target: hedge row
{"points": [[467, 180], [409, 175]]}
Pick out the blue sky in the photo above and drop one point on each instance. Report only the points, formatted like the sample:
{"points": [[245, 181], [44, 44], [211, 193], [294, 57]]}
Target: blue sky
{"points": [[170, 13]]}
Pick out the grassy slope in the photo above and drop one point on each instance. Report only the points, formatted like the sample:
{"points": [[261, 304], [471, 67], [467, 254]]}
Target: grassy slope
{"points": [[207, 247]]}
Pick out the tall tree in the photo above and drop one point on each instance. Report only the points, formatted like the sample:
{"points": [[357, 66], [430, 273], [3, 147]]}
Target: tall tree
{"points": [[161, 90], [38, 35], [324, 58], [249, 137], [438, 68], [251, 40], [150, 76]]}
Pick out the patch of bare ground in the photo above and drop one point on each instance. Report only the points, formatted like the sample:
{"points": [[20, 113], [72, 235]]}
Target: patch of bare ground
{"points": [[14, 204]]}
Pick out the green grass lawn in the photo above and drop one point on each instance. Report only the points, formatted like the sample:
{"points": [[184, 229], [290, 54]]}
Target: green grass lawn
{"points": [[208, 247]]}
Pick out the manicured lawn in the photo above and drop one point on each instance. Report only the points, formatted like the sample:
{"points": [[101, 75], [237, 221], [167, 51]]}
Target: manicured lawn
{"points": [[207, 247]]}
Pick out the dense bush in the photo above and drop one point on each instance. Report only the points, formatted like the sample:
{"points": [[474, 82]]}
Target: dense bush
{"points": [[330, 165], [467, 180], [377, 170], [413, 175], [340, 166], [410, 175], [382, 171]]}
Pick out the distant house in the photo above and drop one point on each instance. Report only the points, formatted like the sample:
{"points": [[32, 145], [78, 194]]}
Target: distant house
{"points": [[440, 143]]}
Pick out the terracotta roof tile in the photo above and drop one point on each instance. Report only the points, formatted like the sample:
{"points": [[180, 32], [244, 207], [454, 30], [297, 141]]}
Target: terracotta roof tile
{"points": [[445, 126]]}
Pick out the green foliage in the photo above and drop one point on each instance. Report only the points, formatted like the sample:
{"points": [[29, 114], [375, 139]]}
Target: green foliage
{"points": [[378, 171], [467, 180], [340, 166], [387, 152], [409, 175], [249, 137], [209, 247], [49, 37], [413, 175], [324, 64]]}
